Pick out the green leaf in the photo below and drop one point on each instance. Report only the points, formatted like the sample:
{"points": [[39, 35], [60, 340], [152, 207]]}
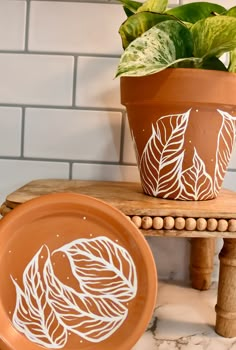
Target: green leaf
{"points": [[212, 63], [214, 36], [139, 23], [232, 66], [231, 12], [232, 62], [131, 5], [160, 47], [196, 11], [154, 6], [127, 11]]}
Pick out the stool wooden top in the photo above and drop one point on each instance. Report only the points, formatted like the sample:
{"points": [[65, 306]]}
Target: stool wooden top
{"points": [[129, 198]]}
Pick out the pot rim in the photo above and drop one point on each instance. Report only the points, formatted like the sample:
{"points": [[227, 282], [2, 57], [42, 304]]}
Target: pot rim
{"points": [[179, 85]]}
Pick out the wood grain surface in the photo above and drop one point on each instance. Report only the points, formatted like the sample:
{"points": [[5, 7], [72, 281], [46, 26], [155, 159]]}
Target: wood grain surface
{"points": [[129, 198]]}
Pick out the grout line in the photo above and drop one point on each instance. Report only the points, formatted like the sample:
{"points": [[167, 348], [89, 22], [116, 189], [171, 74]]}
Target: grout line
{"points": [[70, 170], [60, 160], [74, 84], [27, 19], [77, 108], [22, 132], [122, 137], [70, 162], [60, 53], [113, 2]]}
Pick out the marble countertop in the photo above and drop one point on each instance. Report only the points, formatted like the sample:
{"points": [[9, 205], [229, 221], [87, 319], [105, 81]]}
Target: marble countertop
{"points": [[184, 319]]}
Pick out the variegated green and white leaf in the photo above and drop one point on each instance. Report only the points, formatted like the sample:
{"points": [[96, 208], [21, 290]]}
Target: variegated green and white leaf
{"points": [[194, 12], [214, 36], [160, 47], [138, 24], [232, 66], [154, 6]]}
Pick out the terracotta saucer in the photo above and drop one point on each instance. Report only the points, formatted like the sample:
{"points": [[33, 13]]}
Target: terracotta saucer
{"points": [[75, 274]]}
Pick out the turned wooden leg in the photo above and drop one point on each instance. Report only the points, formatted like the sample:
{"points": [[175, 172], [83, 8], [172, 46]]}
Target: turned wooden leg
{"points": [[201, 262], [226, 300]]}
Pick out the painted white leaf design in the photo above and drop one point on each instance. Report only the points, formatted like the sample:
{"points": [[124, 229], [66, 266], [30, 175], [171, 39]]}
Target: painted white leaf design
{"points": [[92, 318], [33, 316], [224, 148], [102, 267], [196, 182], [161, 161]]}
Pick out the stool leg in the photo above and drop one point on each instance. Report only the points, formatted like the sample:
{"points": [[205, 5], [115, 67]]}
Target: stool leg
{"points": [[201, 262], [226, 299]]}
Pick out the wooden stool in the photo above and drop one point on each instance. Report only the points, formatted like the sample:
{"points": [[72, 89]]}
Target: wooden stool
{"points": [[201, 221]]}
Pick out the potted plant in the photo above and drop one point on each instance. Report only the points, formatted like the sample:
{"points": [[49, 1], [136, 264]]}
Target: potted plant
{"points": [[180, 97]]}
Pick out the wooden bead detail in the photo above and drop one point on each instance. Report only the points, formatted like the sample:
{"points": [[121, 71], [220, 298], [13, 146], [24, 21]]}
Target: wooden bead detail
{"points": [[190, 224], [232, 225], [169, 223], [201, 224], [157, 223], [179, 223], [146, 222], [222, 225], [137, 221], [212, 224]]}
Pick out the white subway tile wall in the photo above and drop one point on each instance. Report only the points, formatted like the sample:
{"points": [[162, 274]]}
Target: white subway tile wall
{"points": [[12, 25], [88, 28], [105, 172], [36, 79], [60, 110], [225, 3], [95, 83], [128, 147], [10, 131], [73, 134], [14, 173]]}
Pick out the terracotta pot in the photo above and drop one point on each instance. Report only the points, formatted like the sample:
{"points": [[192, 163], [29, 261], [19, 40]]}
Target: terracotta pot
{"points": [[182, 123]]}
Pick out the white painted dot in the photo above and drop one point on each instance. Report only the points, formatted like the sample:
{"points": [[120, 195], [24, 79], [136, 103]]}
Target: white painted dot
{"points": [[143, 129], [190, 141], [41, 256], [67, 278], [117, 240], [9, 251], [69, 333], [58, 235], [81, 341], [54, 264], [15, 279], [91, 235], [212, 160], [84, 218], [196, 110], [127, 303], [63, 256], [9, 312]]}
